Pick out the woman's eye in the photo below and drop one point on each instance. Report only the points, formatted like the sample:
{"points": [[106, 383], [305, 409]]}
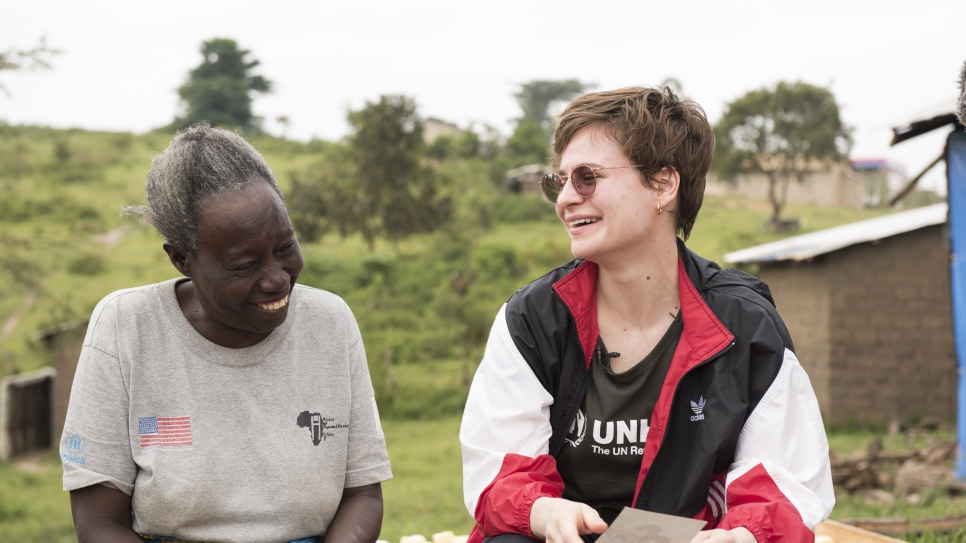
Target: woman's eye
{"points": [[246, 266], [288, 248]]}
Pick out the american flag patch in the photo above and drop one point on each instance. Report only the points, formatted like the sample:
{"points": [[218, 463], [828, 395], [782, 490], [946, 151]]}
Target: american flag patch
{"points": [[165, 431]]}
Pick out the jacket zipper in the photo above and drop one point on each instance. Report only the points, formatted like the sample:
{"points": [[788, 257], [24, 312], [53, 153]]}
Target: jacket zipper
{"points": [[574, 405], [646, 484]]}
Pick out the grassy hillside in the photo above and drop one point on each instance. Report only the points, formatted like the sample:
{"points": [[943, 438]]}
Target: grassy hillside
{"points": [[66, 247]]}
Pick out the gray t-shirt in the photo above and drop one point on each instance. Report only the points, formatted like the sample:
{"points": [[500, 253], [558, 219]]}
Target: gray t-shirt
{"points": [[219, 444]]}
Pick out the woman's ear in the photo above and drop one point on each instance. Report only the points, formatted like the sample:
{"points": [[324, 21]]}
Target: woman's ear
{"points": [[668, 183], [179, 258]]}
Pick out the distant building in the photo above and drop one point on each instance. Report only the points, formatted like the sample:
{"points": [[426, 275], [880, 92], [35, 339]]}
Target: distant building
{"points": [[525, 179], [434, 128], [869, 309], [881, 178], [838, 186]]}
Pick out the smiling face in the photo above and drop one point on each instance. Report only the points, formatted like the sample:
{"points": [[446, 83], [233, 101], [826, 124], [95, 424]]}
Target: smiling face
{"points": [[620, 218], [244, 269]]}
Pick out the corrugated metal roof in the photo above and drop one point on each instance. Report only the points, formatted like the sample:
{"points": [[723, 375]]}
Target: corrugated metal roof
{"points": [[807, 246]]}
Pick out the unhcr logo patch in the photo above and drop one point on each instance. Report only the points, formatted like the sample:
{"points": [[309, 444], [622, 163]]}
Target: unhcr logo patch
{"points": [[698, 408], [578, 428]]}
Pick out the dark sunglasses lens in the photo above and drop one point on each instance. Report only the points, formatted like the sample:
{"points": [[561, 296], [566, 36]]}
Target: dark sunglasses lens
{"points": [[584, 180], [551, 185]]}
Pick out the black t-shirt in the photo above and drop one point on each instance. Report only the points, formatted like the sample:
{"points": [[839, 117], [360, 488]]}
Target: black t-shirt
{"points": [[602, 452]]}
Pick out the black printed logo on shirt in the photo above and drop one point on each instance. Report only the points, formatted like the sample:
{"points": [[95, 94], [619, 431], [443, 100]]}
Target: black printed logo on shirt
{"points": [[319, 426]]}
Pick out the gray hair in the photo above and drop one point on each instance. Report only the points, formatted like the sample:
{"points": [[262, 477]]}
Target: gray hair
{"points": [[961, 110], [200, 162]]}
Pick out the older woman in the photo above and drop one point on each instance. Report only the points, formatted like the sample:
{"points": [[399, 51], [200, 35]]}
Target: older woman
{"points": [[230, 404], [640, 374]]}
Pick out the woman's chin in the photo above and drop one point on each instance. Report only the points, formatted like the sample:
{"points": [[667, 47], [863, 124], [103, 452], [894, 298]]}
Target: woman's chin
{"points": [[584, 250]]}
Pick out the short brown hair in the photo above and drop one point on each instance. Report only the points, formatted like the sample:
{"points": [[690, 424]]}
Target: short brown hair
{"points": [[655, 129]]}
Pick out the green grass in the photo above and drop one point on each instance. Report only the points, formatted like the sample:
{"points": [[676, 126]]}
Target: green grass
{"points": [[845, 441], [32, 506], [425, 495], [934, 503]]}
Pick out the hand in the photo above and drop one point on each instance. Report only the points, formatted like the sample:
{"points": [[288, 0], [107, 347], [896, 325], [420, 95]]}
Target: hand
{"points": [[562, 521], [736, 535]]}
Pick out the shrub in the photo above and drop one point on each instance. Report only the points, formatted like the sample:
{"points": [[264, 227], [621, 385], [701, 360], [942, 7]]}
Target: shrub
{"points": [[516, 208], [86, 264]]}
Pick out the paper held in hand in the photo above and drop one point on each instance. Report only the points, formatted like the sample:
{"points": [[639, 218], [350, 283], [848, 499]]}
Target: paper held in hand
{"points": [[636, 526]]}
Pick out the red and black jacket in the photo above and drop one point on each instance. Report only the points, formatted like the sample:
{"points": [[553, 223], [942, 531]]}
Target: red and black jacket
{"points": [[758, 458]]}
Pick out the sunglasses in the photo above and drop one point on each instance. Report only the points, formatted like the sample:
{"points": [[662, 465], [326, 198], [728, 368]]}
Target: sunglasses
{"points": [[584, 179]]}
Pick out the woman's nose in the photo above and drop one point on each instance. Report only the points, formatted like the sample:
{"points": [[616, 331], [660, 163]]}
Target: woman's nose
{"points": [[275, 278], [568, 195]]}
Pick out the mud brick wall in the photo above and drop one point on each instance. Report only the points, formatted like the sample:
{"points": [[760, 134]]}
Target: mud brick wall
{"points": [[892, 333], [872, 325], [802, 294], [66, 348]]}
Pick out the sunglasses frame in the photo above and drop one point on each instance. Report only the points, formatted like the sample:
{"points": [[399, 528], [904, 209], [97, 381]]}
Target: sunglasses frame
{"points": [[553, 179]]}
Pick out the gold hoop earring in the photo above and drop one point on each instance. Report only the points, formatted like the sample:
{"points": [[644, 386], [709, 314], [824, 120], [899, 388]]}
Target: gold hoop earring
{"points": [[659, 208]]}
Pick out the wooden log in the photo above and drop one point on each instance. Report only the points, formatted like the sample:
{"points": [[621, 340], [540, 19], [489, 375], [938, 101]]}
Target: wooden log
{"points": [[914, 476]]}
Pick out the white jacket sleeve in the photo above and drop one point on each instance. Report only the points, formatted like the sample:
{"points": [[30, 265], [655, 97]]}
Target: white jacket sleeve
{"points": [[507, 411], [782, 455]]}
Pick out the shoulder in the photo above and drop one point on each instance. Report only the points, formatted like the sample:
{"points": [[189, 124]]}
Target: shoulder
{"points": [[743, 289], [539, 293], [124, 304], [316, 308], [318, 300], [539, 323], [131, 297], [535, 314], [741, 301]]}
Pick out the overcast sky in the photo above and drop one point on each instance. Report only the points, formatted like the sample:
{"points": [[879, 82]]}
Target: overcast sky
{"points": [[886, 62]]}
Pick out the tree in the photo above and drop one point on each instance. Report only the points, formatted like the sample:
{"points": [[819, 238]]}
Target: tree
{"points": [[536, 97], [782, 132], [381, 187], [220, 89], [37, 58], [530, 141]]}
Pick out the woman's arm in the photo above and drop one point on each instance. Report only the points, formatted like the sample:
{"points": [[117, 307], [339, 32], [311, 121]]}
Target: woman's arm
{"points": [[359, 518], [505, 436], [102, 515], [780, 484]]}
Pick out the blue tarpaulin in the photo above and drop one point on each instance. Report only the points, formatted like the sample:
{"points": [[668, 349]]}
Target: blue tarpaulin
{"points": [[956, 174]]}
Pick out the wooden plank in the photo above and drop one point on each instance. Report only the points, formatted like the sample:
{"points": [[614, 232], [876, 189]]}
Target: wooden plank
{"points": [[843, 533]]}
